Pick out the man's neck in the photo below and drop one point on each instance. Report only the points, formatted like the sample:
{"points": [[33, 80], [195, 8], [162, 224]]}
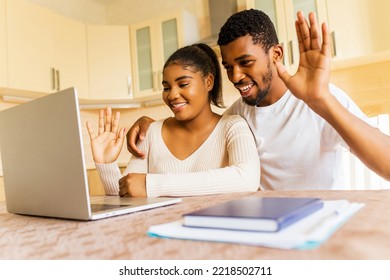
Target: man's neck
{"points": [[276, 91]]}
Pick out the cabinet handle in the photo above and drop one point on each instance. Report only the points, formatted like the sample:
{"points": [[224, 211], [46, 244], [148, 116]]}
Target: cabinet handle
{"points": [[291, 51], [334, 46], [129, 87], [58, 79], [53, 78]]}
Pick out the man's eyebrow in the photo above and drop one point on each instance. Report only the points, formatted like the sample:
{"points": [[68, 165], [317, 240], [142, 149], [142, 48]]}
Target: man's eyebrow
{"points": [[244, 56]]}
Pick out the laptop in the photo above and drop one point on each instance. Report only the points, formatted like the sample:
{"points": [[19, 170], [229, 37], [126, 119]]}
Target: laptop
{"points": [[44, 165]]}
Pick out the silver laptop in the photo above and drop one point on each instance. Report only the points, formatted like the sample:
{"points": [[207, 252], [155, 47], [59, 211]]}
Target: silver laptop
{"points": [[44, 165]]}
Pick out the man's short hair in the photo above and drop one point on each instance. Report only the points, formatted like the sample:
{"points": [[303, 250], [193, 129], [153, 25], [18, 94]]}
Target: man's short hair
{"points": [[253, 22]]}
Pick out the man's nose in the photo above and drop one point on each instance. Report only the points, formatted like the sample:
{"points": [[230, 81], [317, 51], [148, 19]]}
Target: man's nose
{"points": [[236, 75]]}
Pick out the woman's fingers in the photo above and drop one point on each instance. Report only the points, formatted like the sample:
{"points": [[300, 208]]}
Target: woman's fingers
{"points": [[107, 125], [90, 131], [106, 122], [101, 122], [115, 123]]}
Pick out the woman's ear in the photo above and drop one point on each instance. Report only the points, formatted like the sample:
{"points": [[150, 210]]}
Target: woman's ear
{"points": [[210, 82], [278, 53]]}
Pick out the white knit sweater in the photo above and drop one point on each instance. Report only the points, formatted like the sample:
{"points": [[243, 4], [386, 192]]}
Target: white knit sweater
{"points": [[226, 162]]}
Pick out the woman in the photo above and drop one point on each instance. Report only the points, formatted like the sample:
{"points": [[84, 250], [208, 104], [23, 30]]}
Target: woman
{"points": [[195, 152]]}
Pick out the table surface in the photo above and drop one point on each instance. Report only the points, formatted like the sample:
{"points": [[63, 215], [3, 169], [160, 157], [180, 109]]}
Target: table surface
{"points": [[365, 236]]}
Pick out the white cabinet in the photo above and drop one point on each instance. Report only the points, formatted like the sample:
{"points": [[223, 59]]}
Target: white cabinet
{"points": [[3, 45], [152, 42], [46, 52], [283, 15], [109, 62], [357, 27]]}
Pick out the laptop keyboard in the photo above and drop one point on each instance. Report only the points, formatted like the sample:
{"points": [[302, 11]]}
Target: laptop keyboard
{"points": [[104, 207]]}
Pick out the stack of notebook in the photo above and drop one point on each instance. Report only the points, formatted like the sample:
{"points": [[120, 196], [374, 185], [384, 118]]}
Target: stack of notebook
{"points": [[278, 222]]}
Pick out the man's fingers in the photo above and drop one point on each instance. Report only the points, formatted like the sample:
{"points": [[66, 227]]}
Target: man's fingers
{"points": [[303, 32], [326, 47], [315, 38], [133, 136]]}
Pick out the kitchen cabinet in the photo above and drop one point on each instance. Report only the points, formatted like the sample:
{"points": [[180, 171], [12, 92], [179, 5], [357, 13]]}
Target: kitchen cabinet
{"points": [[283, 15], [47, 52], [357, 27], [109, 62], [152, 42], [3, 46]]}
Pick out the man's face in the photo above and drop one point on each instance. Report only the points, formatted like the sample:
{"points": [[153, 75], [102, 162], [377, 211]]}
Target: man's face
{"points": [[248, 67]]}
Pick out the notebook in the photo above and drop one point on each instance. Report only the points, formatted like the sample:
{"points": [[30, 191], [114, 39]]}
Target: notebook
{"points": [[44, 165], [307, 233], [269, 214]]}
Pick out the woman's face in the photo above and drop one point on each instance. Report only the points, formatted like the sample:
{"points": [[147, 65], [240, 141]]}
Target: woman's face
{"points": [[185, 91]]}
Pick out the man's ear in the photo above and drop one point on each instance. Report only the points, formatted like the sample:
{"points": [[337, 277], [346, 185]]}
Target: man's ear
{"points": [[277, 53]]}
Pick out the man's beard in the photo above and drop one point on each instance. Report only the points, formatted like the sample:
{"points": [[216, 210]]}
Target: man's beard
{"points": [[262, 93]]}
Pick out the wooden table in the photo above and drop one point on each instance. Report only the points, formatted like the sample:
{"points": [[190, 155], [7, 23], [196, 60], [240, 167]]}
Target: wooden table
{"points": [[365, 236]]}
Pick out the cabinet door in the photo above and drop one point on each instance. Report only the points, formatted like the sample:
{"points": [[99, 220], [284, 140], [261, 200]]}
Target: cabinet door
{"points": [[169, 38], [30, 47], [359, 27], [292, 8], [144, 59], [46, 52], [283, 14], [275, 9], [70, 54], [152, 43], [3, 46], [109, 62]]}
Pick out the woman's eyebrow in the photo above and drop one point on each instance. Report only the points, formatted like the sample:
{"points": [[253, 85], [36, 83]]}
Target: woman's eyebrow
{"points": [[179, 78]]}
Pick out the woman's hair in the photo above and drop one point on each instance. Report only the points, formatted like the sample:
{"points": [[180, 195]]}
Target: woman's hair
{"points": [[253, 22], [201, 58]]}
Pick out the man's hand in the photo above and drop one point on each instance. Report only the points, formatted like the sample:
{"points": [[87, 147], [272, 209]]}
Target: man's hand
{"points": [[137, 133], [311, 81]]}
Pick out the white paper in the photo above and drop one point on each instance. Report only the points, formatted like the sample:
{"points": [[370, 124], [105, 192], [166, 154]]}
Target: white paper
{"points": [[307, 233]]}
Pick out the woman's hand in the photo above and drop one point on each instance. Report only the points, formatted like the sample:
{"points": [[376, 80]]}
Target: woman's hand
{"points": [[133, 184], [107, 144]]}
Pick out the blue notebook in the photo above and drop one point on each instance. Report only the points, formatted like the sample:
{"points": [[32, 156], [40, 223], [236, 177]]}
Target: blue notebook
{"points": [[268, 214]]}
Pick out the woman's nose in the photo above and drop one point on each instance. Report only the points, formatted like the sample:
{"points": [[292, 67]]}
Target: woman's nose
{"points": [[173, 93]]}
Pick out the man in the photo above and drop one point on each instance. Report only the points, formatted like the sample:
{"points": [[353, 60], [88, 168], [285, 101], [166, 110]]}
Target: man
{"points": [[300, 123]]}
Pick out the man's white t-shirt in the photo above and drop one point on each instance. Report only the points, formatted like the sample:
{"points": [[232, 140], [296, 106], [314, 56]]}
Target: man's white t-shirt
{"points": [[298, 149]]}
